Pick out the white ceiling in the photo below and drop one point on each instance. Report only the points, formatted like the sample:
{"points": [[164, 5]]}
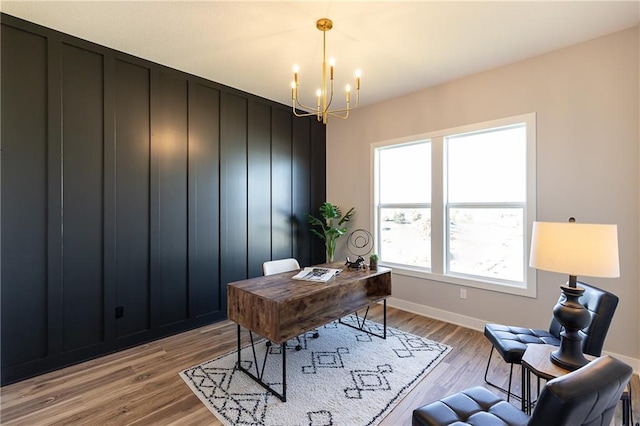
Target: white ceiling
{"points": [[400, 46]]}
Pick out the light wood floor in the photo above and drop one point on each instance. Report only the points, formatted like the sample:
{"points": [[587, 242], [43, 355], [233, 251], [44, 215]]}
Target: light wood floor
{"points": [[141, 385]]}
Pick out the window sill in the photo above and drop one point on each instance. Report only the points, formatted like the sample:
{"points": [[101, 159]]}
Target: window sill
{"points": [[464, 282]]}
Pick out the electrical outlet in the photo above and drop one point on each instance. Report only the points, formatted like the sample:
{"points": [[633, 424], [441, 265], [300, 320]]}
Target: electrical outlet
{"points": [[463, 293], [119, 311]]}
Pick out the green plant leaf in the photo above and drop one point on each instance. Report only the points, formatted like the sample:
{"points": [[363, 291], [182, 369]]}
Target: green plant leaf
{"points": [[315, 221], [318, 234], [347, 217], [328, 230], [329, 211]]}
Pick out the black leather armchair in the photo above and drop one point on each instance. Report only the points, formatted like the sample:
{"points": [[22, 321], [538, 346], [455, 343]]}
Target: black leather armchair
{"points": [[587, 396], [511, 341]]}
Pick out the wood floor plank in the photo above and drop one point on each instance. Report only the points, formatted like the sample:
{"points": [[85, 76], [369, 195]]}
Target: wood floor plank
{"points": [[141, 386]]}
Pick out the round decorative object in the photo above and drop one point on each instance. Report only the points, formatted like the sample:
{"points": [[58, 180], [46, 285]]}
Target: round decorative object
{"points": [[360, 242]]}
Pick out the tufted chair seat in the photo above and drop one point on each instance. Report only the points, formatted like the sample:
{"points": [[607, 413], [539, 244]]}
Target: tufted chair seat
{"points": [[585, 397], [511, 341], [474, 406]]}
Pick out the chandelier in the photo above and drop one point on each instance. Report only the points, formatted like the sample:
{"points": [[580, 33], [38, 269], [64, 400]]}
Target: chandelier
{"points": [[324, 96]]}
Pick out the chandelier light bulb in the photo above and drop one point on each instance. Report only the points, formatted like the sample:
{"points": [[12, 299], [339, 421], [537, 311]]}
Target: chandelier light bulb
{"points": [[296, 68]]}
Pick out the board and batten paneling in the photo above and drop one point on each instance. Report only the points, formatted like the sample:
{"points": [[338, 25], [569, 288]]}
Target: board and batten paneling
{"points": [[318, 184], [301, 196], [281, 184], [233, 186], [169, 133], [132, 188], [24, 212], [204, 192], [132, 194], [258, 185], [82, 199]]}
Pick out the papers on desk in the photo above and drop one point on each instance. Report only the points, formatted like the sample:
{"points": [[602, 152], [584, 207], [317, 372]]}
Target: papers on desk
{"points": [[317, 274]]}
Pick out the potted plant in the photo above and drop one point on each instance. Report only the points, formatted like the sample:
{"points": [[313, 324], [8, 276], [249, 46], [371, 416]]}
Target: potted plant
{"points": [[373, 261], [332, 226]]}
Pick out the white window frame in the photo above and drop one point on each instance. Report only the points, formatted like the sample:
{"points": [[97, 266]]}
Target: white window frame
{"points": [[438, 207]]}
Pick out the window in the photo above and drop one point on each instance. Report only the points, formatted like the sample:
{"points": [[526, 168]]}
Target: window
{"points": [[457, 205], [405, 214]]}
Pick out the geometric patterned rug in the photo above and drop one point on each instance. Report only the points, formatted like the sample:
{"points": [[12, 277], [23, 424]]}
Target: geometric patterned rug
{"points": [[344, 377]]}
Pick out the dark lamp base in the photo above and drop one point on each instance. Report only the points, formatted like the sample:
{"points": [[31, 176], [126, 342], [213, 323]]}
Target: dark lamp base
{"points": [[568, 362], [573, 316]]}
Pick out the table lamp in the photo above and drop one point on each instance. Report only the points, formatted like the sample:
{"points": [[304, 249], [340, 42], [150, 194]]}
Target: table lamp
{"points": [[574, 249]]}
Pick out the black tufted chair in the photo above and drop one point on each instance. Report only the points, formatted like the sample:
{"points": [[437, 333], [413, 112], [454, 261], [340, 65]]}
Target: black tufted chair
{"points": [[585, 397], [511, 342]]}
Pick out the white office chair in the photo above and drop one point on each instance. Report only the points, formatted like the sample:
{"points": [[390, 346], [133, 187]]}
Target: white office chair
{"points": [[284, 265], [281, 265]]}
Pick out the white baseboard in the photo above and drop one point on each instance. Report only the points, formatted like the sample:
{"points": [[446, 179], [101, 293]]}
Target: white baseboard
{"points": [[474, 323], [439, 314]]}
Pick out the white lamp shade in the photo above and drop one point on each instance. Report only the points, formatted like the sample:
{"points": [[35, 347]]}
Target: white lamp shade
{"points": [[582, 249]]}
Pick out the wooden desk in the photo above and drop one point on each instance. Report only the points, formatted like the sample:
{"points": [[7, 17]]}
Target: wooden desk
{"points": [[280, 308]]}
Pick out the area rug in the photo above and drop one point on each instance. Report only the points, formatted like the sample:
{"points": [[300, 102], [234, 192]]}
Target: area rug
{"points": [[343, 377]]}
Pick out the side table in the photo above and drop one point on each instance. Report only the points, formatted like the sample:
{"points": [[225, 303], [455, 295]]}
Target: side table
{"points": [[536, 360]]}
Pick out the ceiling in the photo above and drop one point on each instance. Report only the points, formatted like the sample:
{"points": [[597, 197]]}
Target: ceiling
{"points": [[400, 46]]}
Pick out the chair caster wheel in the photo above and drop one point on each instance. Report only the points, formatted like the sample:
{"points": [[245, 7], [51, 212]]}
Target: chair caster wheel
{"points": [[298, 348], [316, 335]]}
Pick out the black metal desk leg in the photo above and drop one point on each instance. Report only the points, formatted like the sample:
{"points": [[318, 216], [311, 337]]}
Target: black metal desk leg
{"points": [[361, 324], [384, 310], [239, 347], [283, 348], [258, 377]]}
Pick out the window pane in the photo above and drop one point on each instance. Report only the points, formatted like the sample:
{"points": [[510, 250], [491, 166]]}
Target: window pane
{"points": [[405, 174], [405, 236], [488, 166], [487, 242]]}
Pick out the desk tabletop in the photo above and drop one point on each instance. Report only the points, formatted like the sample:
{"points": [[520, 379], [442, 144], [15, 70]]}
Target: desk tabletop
{"points": [[282, 287]]}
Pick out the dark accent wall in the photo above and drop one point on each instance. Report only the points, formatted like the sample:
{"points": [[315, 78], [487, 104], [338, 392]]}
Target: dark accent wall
{"points": [[132, 194]]}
